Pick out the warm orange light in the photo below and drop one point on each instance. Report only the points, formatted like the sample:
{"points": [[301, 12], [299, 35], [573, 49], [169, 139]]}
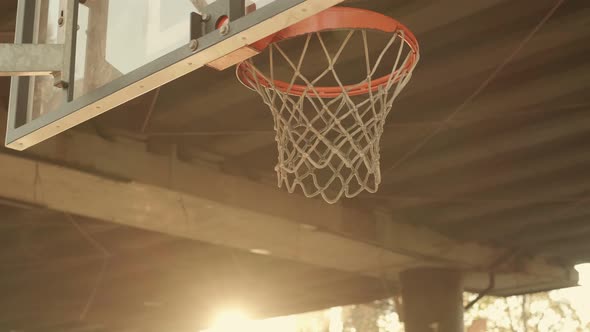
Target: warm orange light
{"points": [[230, 321], [584, 274]]}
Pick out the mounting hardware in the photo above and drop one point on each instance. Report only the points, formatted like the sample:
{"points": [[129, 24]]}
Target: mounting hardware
{"points": [[58, 82], [224, 30], [197, 26], [216, 15], [193, 44], [61, 84]]}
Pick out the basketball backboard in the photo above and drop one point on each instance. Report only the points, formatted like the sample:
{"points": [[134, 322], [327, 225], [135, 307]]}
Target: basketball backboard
{"points": [[78, 59]]}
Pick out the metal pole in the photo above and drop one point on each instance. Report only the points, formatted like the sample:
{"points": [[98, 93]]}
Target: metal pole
{"points": [[432, 300], [65, 79]]}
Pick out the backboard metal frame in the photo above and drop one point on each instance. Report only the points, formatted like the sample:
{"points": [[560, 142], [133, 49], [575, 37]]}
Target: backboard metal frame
{"points": [[21, 134]]}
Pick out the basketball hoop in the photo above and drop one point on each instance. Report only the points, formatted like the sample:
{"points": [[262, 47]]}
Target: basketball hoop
{"points": [[328, 129]]}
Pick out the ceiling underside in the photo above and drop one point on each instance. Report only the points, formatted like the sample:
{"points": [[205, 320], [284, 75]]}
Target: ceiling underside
{"points": [[487, 143]]}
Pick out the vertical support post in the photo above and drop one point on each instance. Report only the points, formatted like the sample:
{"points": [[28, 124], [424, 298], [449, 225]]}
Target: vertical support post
{"points": [[237, 9], [432, 300], [196, 27], [19, 86], [67, 76]]}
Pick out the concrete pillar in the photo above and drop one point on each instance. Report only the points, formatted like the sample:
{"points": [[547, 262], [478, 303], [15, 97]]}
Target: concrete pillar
{"points": [[432, 300]]}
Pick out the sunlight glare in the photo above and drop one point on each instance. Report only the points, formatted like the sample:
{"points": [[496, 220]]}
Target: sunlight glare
{"points": [[584, 274], [237, 320], [229, 321], [579, 297]]}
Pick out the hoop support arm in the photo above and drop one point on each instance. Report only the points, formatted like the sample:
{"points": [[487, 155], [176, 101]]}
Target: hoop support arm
{"points": [[30, 59]]}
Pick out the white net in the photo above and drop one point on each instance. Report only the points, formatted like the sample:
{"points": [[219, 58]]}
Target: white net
{"points": [[328, 138]]}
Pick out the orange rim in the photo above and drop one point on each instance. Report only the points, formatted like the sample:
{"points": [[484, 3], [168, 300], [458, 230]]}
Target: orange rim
{"points": [[334, 18]]}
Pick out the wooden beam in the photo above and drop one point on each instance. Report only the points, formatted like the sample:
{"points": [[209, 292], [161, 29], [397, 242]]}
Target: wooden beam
{"points": [[122, 183]]}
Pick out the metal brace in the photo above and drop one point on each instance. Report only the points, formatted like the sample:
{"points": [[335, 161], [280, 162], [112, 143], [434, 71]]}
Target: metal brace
{"points": [[59, 59], [218, 17], [27, 59], [212, 16]]}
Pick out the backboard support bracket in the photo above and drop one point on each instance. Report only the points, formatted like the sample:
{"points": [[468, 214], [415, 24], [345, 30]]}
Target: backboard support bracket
{"points": [[23, 58], [220, 9], [213, 19], [196, 26]]}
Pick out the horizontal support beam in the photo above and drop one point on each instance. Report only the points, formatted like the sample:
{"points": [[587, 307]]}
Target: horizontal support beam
{"points": [[30, 59], [123, 183], [119, 181]]}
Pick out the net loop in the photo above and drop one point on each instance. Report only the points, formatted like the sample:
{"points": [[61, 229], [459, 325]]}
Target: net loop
{"points": [[328, 136]]}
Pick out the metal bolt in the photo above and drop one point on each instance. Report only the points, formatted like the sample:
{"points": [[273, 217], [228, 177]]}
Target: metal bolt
{"points": [[224, 30], [60, 21], [61, 84], [193, 44], [58, 82], [205, 17]]}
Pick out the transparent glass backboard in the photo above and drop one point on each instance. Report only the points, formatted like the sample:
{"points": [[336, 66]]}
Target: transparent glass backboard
{"points": [[112, 43], [124, 48]]}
